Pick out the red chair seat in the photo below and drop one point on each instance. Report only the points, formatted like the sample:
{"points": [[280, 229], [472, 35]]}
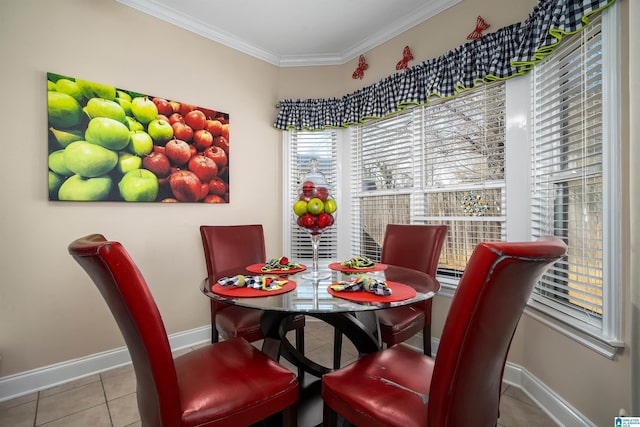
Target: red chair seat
{"points": [[242, 322], [400, 324], [248, 385], [379, 374]]}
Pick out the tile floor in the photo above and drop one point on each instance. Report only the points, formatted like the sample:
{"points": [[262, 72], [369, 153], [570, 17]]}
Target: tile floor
{"points": [[109, 399]]}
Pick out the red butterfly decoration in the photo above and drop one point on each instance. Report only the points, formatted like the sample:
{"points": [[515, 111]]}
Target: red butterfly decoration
{"points": [[362, 65], [480, 26], [406, 57]]}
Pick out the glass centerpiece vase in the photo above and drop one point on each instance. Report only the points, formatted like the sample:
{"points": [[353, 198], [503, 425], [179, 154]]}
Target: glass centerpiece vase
{"points": [[315, 208]]}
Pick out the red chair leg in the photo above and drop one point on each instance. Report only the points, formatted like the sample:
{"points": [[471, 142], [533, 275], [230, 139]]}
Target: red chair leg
{"points": [[290, 416], [329, 417]]}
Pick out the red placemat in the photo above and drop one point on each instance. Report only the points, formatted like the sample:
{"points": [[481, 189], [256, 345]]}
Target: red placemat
{"points": [[244, 292], [339, 267], [400, 292], [257, 268]]}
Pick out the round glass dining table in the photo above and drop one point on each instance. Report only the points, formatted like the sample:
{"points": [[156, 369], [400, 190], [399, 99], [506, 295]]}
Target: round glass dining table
{"points": [[356, 319]]}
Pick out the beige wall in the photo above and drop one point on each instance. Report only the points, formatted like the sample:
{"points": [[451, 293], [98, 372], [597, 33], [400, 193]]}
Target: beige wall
{"points": [[49, 312]]}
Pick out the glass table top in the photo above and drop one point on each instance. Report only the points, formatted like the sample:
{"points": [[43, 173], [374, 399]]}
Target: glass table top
{"points": [[311, 296]]}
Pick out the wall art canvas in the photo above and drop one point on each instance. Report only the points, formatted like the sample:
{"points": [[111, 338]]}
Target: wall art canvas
{"points": [[112, 144]]}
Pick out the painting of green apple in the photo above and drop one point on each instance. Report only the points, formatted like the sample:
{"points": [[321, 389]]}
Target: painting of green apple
{"points": [[113, 144]]}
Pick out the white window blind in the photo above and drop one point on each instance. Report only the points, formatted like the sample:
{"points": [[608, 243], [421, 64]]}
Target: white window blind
{"points": [[439, 164], [464, 182], [305, 146], [568, 180], [384, 165]]}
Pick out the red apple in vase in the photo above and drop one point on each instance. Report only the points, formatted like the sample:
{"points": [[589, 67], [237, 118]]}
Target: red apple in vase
{"points": [[323, 220], [186, 108], [217, 186], [299, 222], [176, 117], [308, 188], [214, 198], [215, 127], [308, 220], [202, 139], [218, 155], [182, 131], [185, 186], [163, 105], [304, 197], [158, 163], [175, 106], [222, 142], [196, 119], [322, 193], [204, 168], [178, 151]]}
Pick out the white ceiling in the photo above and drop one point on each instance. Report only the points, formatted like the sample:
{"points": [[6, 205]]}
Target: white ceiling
{"points": [[290, 33]]}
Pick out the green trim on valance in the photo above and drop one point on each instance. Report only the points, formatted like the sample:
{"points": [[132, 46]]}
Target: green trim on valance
{"points": [[508, 52]]}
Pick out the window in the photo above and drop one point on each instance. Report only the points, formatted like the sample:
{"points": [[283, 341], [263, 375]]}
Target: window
{"points": [[439, 164], [301, 148], [573, 175], [447, 163]]}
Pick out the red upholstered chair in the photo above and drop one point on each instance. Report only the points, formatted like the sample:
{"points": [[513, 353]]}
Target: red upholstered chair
{"points": [[227, 247], [226, 384], [401, 387], [412, 246], [417, 247]]}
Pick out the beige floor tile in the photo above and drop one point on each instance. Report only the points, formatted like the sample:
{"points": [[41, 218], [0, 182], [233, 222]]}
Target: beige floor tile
{"points": [[70, 402], [124, 410], [20, 415], [70, 385], [31, 397], [516, 413], [117, 371], [97, 416], [119, 385]]}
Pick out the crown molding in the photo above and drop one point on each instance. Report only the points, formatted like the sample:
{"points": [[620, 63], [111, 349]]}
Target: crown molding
{"points": [[189, 23]]}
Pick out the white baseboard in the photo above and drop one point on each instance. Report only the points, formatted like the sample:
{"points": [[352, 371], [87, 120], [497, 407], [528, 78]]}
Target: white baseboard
{"points": [[42, 378]]}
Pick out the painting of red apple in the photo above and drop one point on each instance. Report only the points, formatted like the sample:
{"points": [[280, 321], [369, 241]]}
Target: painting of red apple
{"points": [[106, 143]]}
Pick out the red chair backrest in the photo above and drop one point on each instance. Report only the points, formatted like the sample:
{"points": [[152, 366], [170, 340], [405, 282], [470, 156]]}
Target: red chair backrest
{"points": [[131, 303], [477, 334], [230, 246], [414, 246]]}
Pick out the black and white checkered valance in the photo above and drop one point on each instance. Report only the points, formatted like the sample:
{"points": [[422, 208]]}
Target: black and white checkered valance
{"points": [[510, 51]]}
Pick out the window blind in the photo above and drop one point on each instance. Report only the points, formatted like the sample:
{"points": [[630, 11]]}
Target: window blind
{"points": [[464, 185], [438, 164], [568, 173], [321, 145]]}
